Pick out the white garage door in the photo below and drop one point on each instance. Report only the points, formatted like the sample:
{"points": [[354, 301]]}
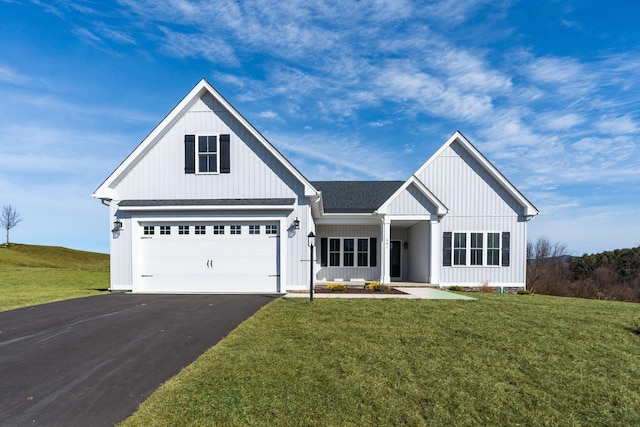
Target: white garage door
{"points": [[208, 257]]}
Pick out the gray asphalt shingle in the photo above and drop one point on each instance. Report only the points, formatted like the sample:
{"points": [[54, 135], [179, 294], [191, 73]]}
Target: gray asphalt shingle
{"points": [[355, 196]]}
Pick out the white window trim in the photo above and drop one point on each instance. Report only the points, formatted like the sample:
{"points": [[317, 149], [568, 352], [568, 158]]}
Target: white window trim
{"points": [[485, 249], [355, 252], [197, 154]]}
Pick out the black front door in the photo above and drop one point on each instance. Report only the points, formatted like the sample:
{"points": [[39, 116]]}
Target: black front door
{"points": [[395, 258]]}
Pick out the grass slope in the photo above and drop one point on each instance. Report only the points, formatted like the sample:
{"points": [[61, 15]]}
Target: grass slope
{"points": [[501, 360], [37, 274]]}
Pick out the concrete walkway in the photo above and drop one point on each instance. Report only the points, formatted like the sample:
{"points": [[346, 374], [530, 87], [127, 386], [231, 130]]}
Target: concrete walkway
{"points": [[410, 293]]}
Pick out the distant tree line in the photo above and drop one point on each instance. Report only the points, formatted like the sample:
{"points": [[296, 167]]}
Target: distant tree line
{"points": [[610, 275]]}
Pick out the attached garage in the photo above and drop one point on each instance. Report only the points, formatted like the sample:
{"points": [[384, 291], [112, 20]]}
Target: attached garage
{"points": [[207, 257]]}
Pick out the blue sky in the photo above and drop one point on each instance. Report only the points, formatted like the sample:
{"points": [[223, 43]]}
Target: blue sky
{"points": [[352, 90]]}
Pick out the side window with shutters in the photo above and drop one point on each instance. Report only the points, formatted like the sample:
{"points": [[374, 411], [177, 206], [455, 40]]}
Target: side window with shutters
{"points": [[212, 152]]}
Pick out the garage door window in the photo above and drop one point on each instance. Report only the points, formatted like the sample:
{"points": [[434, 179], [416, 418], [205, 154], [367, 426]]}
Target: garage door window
{"points": [[270, 229], [199, 229], [149, 230], [254, 229], [235, 229], [183, 229], [165, 229], [218, 229]]}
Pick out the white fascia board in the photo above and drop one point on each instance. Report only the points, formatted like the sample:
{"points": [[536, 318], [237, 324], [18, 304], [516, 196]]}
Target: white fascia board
{"points": [[207, 208], [529, 209], [348, 219], [396, 217], [441, 208], [200, 219]]}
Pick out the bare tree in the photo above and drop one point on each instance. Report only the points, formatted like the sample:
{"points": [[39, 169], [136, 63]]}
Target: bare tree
{"points": [[9, 218], [546, 266]]}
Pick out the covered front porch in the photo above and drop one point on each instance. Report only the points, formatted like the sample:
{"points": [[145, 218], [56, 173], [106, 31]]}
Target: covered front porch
{"points": [[410, 252]]}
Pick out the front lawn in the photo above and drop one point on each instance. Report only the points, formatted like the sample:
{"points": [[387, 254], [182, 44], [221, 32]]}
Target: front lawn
{"points": [[501, 360]]}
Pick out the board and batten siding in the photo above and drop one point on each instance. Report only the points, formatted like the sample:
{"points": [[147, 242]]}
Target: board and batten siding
{"points": [[411, 201], [120, 249], [513, 275], [418, 252], [159, 174], [348, 273], [465, 187], [476, 203]]}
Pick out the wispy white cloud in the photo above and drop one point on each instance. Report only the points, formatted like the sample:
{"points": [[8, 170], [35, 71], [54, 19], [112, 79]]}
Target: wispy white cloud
{"points": [[323, 164], [10, 75], [212, 48]]}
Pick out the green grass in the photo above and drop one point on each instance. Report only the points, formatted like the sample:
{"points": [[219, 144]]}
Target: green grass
{"points": [[38, 274], [500, 360]]}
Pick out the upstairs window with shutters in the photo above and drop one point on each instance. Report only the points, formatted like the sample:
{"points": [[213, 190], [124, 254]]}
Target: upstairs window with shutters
{"points": [[207, 154]]}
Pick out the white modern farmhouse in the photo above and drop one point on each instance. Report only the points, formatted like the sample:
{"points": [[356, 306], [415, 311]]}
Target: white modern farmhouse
{"points": [[206, 204]]}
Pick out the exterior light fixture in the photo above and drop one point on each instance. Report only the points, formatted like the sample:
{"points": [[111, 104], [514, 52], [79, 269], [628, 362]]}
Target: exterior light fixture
{"points": [[311, 238], [296, 224], [117, 225], [406, 245]]}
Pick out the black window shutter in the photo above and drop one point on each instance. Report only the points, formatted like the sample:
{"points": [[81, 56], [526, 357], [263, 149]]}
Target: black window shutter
{"points": [[373, 252], [225, 155], [323, 251], [506, 247], [446, 248], [189, 154]]}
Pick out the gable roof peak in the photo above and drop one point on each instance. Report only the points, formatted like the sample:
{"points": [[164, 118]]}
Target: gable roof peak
{"points": [[457, 137], [106, 189]]}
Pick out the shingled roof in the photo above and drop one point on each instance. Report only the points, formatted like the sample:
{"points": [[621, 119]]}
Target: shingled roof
{"points": [[355, 196]]}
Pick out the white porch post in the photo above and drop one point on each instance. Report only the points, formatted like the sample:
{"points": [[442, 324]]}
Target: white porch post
{"points": [[384, 257], [436, 252]]}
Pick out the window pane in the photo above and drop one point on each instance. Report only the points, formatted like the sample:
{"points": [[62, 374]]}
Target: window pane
{"points": [[459, 249], [349, 246], [363, 252], [493, 248], [202, 144], [213, 146], [334, 259], [334, 252], [476, 248], [203, 165]]}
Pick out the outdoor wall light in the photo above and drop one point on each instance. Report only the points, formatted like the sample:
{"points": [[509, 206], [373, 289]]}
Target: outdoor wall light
{"points": [[117, 225], [406, 245], [296, 223]]}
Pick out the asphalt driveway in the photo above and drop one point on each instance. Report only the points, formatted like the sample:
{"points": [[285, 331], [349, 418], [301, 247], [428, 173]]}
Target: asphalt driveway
{"points": [[92, 361]]}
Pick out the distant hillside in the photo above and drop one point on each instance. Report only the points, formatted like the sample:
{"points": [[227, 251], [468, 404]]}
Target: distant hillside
{"points": [[611, 275], [19, 256], [31, 274]]}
